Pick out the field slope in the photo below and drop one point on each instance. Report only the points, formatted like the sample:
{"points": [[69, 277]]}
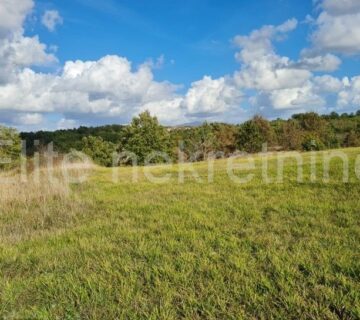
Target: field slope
{"points": [[196, 250]]}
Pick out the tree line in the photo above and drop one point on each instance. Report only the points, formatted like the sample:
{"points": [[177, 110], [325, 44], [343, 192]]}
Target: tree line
{"points": [[145, 135]]}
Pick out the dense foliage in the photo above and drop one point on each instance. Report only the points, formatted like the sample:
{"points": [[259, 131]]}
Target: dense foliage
{"points": [[66, 140], [254, 133], [144, 136], [99, 150], [10, 147]]}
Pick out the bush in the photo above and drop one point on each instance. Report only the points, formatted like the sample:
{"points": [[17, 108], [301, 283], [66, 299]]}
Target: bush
{"points": [[352, 139], [100, 151], [10, 148], [225, 135], [312, 142], [291, 135], [254, 133]]}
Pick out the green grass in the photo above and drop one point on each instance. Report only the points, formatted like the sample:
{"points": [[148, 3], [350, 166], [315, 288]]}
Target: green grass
{"points": [[193, 250]]}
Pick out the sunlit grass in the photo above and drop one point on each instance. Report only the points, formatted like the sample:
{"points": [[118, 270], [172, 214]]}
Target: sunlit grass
{"points": [[196, 250]]}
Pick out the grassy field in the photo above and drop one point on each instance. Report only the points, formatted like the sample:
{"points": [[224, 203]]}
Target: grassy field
{"points": [[195, 250]]}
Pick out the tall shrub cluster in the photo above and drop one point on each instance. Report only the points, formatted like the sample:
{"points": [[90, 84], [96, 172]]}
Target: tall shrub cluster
{"points": [[99, 150], [10, 148]]}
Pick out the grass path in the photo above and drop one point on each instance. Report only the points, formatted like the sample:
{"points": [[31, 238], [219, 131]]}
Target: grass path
{"points": [[194, 250]]}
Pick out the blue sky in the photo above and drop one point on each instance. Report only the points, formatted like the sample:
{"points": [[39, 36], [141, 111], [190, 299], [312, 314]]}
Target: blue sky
{"points": [[89, 62], [194, 36]]}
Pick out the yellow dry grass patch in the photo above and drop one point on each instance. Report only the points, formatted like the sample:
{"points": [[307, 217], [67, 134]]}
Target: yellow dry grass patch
{"points": [[40, 201]]}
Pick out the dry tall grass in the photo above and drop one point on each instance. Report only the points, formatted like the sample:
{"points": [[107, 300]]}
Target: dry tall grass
{"points": [[40, 201]]}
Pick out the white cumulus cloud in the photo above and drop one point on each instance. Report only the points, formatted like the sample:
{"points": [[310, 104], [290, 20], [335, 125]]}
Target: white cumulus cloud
{"points": [[212, 96], [29, 119], [280, 83], [327, 62], [16, 50], [13, 14], [66, 124], [349, 96], [108, 87], [112, 89], [341, 7], [338, 27], [51, 19]]}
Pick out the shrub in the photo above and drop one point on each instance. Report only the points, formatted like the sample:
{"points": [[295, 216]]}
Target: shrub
{"points": [[311, 142], [254, 133], [352, 139], [291, 135], [10, 148], [99, 150]]}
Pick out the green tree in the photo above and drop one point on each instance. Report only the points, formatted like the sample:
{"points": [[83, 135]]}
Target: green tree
{"points": [[312, 142], [144, 136], [100, 151], [200, 142], [334, 115], [225, 135], [291, 135], [254, 133], [318, 128], [10, 148]]}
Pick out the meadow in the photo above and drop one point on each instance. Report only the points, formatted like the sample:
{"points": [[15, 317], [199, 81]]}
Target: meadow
{"points": [[191, 247]]}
